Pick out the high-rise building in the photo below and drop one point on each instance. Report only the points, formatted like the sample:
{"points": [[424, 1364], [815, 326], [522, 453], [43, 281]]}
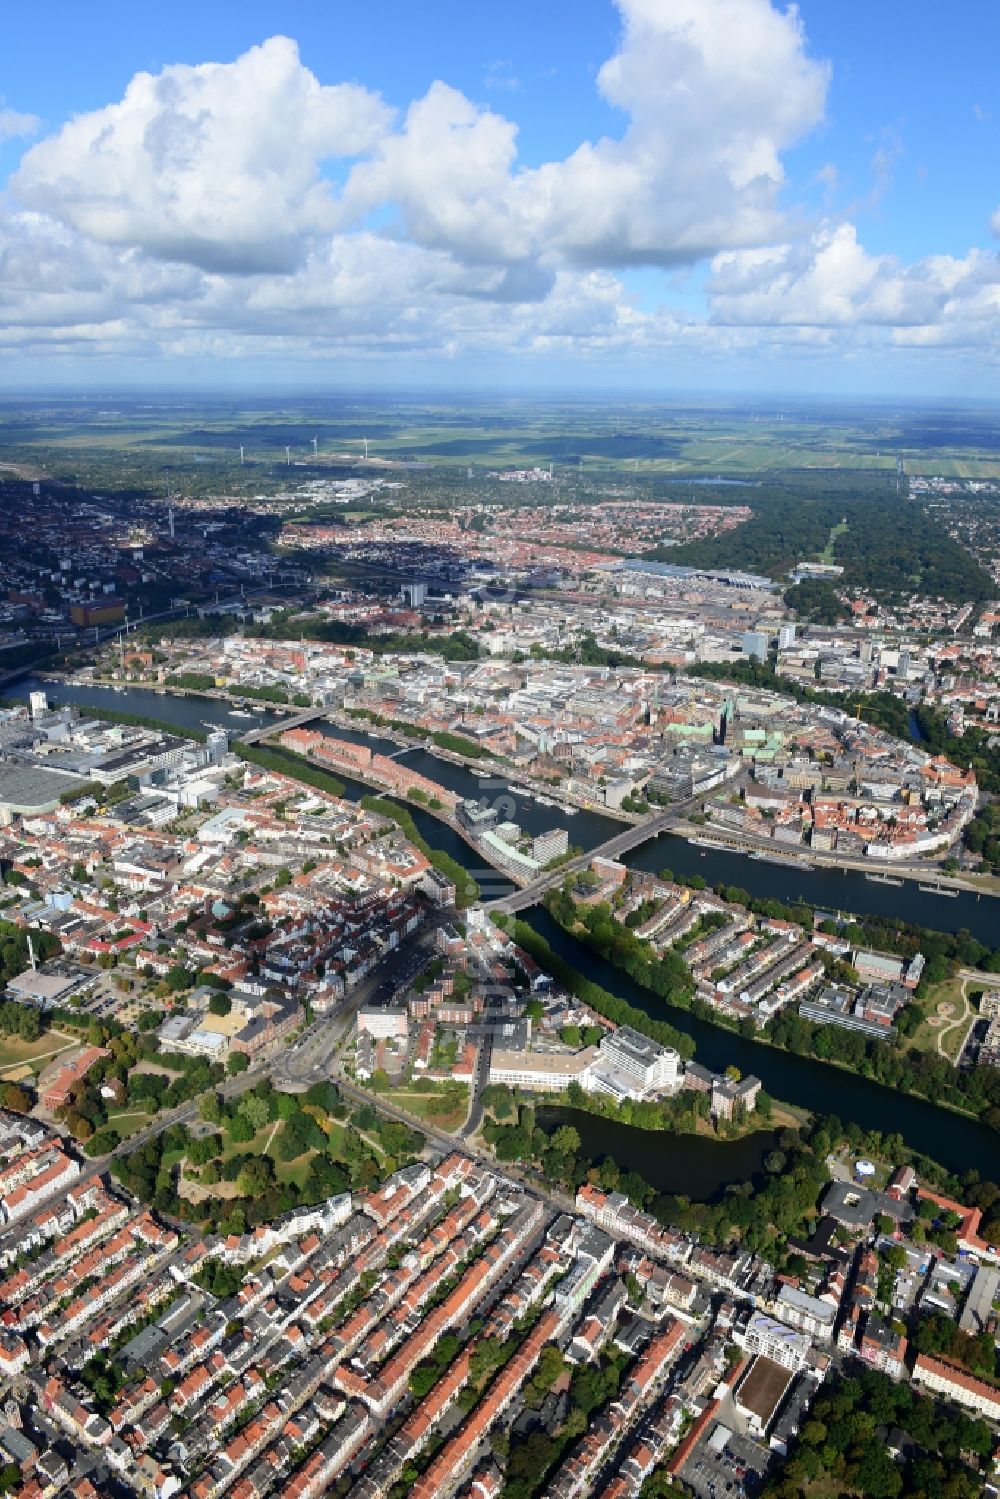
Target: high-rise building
{"points": [[217, 746], [755, 644]]}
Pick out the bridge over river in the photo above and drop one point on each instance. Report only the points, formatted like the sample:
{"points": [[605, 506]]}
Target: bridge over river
{"points": [[674, 816]]}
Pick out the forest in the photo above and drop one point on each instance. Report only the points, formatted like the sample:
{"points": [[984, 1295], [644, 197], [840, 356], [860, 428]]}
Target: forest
{"points": [[890, 545]]}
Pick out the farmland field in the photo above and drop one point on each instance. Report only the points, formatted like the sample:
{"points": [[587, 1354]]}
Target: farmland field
{"points": [[194, 441]]}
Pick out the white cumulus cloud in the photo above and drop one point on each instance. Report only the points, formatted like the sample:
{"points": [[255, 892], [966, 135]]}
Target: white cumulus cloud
{"points": [[216, 165], [13, 124], [712, 92], [249, 209]]}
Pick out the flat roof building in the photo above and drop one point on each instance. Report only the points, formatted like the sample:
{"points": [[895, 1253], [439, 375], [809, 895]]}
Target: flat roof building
{"points": [[27, 790], [760, 1393]]}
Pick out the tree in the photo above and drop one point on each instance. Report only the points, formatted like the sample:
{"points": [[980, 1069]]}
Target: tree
{"points": [[219, 1004], [256, 1177], [15, 1098], [238, 1062], [566, 1139], [255, 1110], [210, 1108], [203, 1150], [239, 1129]]}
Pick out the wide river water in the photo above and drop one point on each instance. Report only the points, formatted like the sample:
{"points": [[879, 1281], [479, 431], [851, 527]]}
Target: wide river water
{"points": [[957, 1142]]}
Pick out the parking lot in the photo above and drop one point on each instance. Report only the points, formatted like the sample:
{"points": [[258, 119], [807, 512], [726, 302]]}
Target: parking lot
{"points": [[737, 1469]]}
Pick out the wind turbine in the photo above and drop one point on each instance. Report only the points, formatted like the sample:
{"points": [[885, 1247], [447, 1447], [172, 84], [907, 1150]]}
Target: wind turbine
{"points": [[315, 446], [241, 455], [288, 457]]}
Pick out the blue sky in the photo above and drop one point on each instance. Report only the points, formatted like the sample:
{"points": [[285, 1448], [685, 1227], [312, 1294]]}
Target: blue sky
{"points": [[706, 194]]}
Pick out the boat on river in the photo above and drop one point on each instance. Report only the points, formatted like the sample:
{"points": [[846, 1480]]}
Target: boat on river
{"points": [[937, 890], [786, 861], [708, 843], [884, 879]]}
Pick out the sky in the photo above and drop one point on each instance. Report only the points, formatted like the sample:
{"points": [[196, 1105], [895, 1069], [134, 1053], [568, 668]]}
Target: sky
{"points": [[648, 195]]}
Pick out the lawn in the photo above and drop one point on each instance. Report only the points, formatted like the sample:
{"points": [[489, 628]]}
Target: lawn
{"points": [[34, 1054], [264, 1142], [129, 1121], [294, 1171], [428, 1106], [951, 1028], [838, 530]]}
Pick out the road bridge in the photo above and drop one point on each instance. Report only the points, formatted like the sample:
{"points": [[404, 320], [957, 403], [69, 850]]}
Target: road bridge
{"points": [[308, 715], [613, 848]]}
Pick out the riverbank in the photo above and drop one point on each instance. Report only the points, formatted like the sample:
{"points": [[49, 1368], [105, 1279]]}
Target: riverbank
{"points": [[957, 1140], [487, 765], [828, 890], [661, 1117], [384, 788], [699, 1168], [810, 859], [942, 1084]]}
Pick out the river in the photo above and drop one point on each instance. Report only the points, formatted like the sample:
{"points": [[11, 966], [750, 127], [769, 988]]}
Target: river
{"points": [[844, 890], [826, 889], [957, 1142], [171, 707]]}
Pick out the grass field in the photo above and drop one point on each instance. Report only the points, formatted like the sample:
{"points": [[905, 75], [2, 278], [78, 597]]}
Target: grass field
{"points": [[428, 1106], [15, 1053], [942, 1029], [828, 550], [129, 1121]]}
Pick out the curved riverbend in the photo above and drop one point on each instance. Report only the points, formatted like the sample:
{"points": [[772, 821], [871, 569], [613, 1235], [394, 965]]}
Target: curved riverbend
{"points": [[826, 889]]}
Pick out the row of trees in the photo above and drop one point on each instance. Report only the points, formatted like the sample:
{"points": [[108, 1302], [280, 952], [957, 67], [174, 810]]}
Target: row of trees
{"points": [[466, 889], [909, 1070], [456, 645], [611, 1006]]}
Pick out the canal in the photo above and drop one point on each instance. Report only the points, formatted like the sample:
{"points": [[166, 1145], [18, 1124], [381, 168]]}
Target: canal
{"points": [[585, 829]]}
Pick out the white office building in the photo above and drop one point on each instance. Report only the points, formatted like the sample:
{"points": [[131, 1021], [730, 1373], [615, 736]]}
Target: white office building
{"points": [[631, 1065]]}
